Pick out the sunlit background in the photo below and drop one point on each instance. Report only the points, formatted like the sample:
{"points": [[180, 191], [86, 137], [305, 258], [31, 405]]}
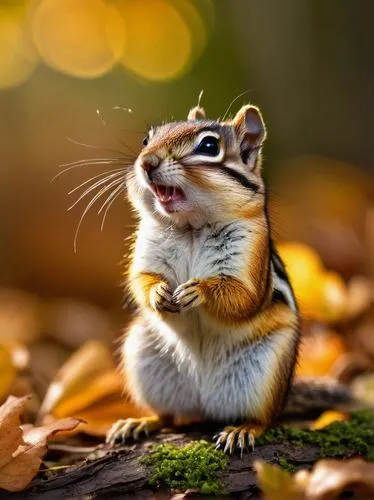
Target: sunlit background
{"points": [[85, 78]]}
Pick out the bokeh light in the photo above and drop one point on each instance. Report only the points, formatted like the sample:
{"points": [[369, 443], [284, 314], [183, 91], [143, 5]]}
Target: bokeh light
{"points": [[159, 41], [83, 38], [17, 55]]}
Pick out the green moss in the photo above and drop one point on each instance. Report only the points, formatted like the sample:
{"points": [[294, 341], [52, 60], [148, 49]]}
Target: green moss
{"points": [[193, 466], [339, 439], [286, 465]]}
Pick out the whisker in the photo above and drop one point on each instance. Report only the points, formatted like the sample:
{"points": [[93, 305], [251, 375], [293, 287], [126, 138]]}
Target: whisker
{"points": [[78, 143], [87, 164], [89, 160], [86, 210], [108, 199], [91, 146], [117, 192], [92, 187], [117, 170]]}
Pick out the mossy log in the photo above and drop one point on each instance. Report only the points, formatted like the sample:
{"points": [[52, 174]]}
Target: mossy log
{"points": [[119, 474], [124, 473]]}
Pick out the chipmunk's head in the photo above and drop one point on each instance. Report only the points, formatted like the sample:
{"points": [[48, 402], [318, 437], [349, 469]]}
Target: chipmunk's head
{"points": [[201, 171]]}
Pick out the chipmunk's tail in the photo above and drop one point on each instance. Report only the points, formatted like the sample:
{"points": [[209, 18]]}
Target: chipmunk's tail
{"points": [[313, 396]]}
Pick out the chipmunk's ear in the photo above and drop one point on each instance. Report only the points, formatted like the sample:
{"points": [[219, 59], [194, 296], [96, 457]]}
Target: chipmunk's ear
{"points": [[196, 113], [251, 131]]}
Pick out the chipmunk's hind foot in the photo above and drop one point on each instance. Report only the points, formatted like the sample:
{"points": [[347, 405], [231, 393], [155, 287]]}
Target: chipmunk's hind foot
{"points": [[132, 428], [241, 437]]}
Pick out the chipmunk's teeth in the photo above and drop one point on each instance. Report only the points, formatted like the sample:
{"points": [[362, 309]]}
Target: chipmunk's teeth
{"points": [[168, 194]]}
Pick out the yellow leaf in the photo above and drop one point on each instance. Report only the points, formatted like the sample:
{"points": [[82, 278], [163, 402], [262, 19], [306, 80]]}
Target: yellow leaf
{"points": [[276, 483], [327, 418]]}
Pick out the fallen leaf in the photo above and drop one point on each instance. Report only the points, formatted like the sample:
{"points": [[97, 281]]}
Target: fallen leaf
{"points": [[276, 483], [319, 351], [327, 418], [7, 372], [10, 431], [330, 478], [88, 362], [105, 384], [22, 447], [100, 417]]}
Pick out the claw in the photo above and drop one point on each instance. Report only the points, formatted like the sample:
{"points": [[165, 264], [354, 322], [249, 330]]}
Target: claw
{"points": [[238, 435], [132, 428]]}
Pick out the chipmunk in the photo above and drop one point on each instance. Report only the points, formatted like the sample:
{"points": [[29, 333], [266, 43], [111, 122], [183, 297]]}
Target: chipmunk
{"points": [[217, 330]]}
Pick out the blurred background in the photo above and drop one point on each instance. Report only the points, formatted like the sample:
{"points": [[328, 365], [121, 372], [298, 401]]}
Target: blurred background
{"points": [[82, 79]]}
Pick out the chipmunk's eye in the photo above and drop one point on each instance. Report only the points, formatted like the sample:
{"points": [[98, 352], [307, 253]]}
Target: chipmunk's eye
{"points": [[145, 141], [209, 146]]}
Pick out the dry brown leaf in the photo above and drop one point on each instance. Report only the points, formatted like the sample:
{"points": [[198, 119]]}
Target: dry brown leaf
{"points": [[276, 483], [10, 431], [22, 448], [330, 478], [88, 362]]}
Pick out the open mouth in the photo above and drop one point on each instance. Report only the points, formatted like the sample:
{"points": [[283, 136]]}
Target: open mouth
{"points": [[168, 194]]}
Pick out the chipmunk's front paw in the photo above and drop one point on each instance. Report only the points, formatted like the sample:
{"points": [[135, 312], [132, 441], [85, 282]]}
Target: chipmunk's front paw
{"points": [[123, 430], [161, 298], [241, 437], [188, 295]]}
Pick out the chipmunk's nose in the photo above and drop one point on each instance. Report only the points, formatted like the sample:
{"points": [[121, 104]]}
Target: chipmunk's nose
{"points": [[150, 163]]}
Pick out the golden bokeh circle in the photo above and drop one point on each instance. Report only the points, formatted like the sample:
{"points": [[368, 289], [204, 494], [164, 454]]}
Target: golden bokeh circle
{"points": [[17, 57], [159, 42], [83, 38]]}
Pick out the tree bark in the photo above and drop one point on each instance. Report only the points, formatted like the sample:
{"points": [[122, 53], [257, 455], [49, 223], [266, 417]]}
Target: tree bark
{"points": [[118, 474]]}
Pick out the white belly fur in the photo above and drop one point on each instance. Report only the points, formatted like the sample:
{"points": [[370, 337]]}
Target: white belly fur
{"points": [[212, 380]]}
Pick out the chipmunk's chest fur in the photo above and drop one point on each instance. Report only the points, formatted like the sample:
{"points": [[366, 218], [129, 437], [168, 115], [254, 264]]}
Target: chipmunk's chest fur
{"points": [[181, 255]]}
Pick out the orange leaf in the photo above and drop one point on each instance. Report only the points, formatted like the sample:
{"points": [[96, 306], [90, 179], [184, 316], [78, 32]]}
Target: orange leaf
{"points": [[100, 417], [103, 385], [92, 359], [318, 353], [7, 372]]}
